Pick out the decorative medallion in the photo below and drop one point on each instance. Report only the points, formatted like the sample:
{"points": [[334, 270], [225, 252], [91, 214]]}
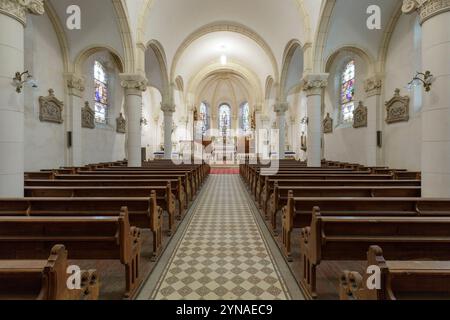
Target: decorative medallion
{"points": [[50, 108], [121, 124], [328, 124], [397, 108], [360, 116], [87, 116]]}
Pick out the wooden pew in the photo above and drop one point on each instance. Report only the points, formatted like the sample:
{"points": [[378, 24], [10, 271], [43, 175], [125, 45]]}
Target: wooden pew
{"points": [[270, 185], [399, 279], [86, 238], [346, 237], [279, 197], [164, 196], [40, 175], [143, 213], [45, 279]]}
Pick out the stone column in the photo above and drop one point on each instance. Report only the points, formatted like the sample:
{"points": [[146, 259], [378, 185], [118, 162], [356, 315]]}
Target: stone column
{"points": [[313, 85], [435, 21], [168, 109], [134, 85], [280, 109], [12, 23], [372, 87], [76, 86]]}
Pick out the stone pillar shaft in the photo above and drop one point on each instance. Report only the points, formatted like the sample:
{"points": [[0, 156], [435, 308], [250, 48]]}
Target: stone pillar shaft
{"points": [[168, 110], [280, 109]]}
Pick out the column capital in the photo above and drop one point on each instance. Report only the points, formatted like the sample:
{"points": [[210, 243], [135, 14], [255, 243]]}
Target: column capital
{"points": [[313, 83], [425, 8], [133, 83], [373, 85], [280, 108], [168, 108], [75, 83], [18, 9]]}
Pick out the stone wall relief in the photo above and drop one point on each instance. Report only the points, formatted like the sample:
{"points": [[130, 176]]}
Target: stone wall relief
{"points": [[51, 108], [87, 117], [397, 109], [121, 124], [328, 124], [360, 116]]}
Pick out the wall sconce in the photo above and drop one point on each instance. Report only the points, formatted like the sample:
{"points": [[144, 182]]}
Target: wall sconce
{"points": [[23, 78], [304, 121], [143, 121], [422, 78]]}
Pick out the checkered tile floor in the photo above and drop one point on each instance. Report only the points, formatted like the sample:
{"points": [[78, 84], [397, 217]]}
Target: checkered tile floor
{"points": [[222, 254]]}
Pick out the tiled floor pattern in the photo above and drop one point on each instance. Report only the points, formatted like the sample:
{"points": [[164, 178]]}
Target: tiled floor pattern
{"points": [[222, 254]]}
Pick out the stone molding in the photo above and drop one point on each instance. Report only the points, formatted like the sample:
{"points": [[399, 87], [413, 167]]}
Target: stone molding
{"points": [[76, 84], [360, 115], [87, 117], [397, 109], [121, 124], [328, 124], [18, 9], [313, 84], [425, 8], [133, 83], [280, 108], [51, 108], [373, 86]]}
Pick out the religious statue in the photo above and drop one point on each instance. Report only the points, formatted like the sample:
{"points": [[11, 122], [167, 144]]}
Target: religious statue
{"points": [[303, 142]]}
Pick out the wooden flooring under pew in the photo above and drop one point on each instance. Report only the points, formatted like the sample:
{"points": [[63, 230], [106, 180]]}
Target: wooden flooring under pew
{"points": [[112, 284]]}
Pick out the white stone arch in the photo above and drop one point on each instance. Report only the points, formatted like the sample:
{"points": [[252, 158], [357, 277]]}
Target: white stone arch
{"points": [[288, 55]]}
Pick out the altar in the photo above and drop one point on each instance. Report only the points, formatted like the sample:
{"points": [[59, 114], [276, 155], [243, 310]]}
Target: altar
{"points": [[224, 149]]}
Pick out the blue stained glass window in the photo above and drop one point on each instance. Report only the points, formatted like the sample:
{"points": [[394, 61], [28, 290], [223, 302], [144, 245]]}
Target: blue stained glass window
{"points": [[245, 118], [348, 92], [101, 92], [204, 117], [225, 120]]}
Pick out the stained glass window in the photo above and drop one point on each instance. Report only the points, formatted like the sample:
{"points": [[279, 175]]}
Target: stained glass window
{"points": [[225, 120], [101, 92], [245, 118], [348, 92], [204, 117]]}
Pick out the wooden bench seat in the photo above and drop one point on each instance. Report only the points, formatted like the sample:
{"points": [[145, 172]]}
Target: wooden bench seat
{"points": [[164, 196], [45, 279], [86, 238], [347, 237], [399, 279], [142, 212], [279, 197]]}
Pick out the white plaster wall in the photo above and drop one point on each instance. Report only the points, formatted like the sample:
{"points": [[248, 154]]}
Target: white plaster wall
{"points": [[44, 141], [103, 144], [345, 144], [402, 141]]}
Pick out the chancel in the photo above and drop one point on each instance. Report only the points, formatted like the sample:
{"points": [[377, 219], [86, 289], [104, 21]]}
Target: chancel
{"points": [[224, 150]]}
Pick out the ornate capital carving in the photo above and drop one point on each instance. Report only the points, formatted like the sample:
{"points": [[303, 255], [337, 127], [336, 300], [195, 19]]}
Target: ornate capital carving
{"points": [[280, 108], [425, 8], [50, 108], [314, 83], [373, 86], [18, 9], [75, 84], [168, 108], [133, 83]]}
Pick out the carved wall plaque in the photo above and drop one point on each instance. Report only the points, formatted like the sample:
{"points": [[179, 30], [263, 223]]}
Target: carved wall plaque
{"points": [[121, 124], [397, 108], [328, 124], [87, 116], [50, 108], [360, 116]]}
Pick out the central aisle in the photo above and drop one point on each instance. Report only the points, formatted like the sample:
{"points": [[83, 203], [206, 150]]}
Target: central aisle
{"points": [[222, 254]]}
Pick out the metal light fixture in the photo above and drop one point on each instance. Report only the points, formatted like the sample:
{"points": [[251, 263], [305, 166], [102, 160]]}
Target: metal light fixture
{"points": [[426, 79], [20, 79]]}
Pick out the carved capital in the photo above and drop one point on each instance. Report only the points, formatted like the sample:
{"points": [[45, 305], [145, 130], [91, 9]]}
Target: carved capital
{"points": [[373, 86], [133, 83], [425, 8], [168, 108], [314, 83], [18, 9], [280, 108], [76, 84]]}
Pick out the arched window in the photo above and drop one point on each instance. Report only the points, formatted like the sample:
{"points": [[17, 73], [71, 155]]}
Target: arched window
{"points": [[204, 117], [347, 103], [245, 118], [225, 120], [101, 92]]}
